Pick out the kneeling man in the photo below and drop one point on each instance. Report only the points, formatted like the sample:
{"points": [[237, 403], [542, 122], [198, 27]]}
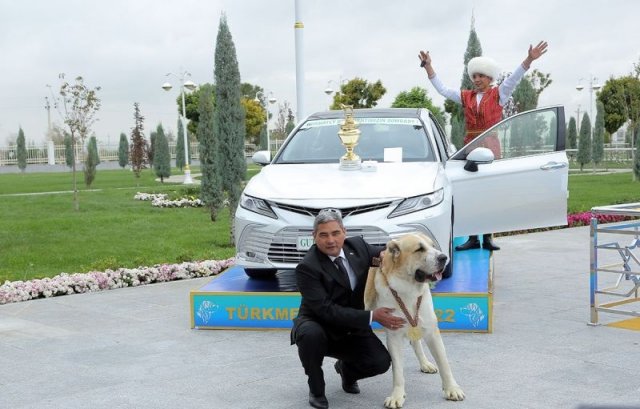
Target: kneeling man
{"points": [[332, 321]]}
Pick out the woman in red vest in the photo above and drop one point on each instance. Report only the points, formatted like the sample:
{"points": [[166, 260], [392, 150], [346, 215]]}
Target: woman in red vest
{"points": [[482, 106]]}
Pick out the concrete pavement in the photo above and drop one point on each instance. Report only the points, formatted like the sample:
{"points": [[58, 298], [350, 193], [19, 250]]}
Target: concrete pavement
{"points": [[133, 348]]}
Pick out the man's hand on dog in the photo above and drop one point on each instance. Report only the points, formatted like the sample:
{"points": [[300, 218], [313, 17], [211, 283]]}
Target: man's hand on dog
{"points": [[385, 317]]}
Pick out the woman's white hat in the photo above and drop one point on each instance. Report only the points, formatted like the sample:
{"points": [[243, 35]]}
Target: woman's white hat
{"points": [[483, 65]]}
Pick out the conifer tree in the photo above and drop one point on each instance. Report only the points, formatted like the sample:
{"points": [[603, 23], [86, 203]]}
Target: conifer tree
{"points": [[21, 148], [123, 151], [584, 144], [572, 134], [229, 116], [138, 148], [161, 156], [91, 162], [180, 146], [152, 147], [211, 192], [598, 136]]}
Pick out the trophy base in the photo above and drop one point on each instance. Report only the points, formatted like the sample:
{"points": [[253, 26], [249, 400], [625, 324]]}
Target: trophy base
{"points": [[350, 164]]}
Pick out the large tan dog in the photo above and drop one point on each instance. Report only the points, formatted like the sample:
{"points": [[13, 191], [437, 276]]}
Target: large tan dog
{"points": [[402, 283]]}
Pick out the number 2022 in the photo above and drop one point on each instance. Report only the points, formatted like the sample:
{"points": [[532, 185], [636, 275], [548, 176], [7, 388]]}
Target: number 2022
{"points": [[447, 315]]}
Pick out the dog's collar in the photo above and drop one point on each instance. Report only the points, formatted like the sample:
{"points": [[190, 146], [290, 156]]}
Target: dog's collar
{"points": [[413, 321]]}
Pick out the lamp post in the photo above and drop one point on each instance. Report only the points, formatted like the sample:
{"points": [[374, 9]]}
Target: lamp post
{"points": [[593, 85], [266, 102], [188, 84]]}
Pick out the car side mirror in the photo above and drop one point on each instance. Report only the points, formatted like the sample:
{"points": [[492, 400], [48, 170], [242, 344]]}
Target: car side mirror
{"points": [[478, 156], [262, 158]]}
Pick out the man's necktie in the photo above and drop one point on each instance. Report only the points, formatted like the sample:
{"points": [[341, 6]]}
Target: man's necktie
{"points": [[342, 268]]}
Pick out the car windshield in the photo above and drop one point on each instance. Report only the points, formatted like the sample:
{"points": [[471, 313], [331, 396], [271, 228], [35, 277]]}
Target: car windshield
{"points": [[317, 141]]}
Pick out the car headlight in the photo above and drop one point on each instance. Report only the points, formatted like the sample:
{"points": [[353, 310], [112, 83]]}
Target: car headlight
{"points": [[417, 203], [253, 204]]}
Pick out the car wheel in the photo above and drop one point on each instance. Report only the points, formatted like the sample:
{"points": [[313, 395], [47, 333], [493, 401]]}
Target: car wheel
{"points": [[260, 273]]}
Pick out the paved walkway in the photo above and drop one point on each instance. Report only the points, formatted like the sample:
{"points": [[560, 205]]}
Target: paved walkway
{"points": [[133, 348]]}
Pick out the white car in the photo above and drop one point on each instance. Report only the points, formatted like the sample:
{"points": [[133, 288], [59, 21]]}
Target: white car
{"points": [[412, 179]]}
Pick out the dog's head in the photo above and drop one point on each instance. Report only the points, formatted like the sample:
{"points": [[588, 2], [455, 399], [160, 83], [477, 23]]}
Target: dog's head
{"points": [[413, 256]]}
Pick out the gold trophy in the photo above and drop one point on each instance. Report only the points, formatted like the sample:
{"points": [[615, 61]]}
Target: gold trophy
{"points": [[349, 135]]}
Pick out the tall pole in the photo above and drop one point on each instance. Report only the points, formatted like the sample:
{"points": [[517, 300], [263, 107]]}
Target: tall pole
{"points": [[47, 106], [299, 26], [187, 169], [191, 86]]}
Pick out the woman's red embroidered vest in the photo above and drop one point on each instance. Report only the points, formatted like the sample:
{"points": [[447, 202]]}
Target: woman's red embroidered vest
{"points": [[480, 118]]}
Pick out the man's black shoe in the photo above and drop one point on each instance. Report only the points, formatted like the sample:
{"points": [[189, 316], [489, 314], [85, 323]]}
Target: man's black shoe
{"points": [[488, 244], [319, 402], [349, 387], [470, 244]]}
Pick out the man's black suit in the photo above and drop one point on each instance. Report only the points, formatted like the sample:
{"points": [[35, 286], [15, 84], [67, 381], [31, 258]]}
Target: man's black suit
{"points": [[332, 321]]}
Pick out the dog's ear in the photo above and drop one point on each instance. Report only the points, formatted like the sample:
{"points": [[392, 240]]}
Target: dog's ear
{"points": [[393, 248]]}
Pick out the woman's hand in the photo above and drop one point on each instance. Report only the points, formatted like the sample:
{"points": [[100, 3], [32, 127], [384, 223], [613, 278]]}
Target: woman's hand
{"points": [[425, 58], [537, 51]]}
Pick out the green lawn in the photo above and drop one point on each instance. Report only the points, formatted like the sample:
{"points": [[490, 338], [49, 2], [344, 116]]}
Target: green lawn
{"points": [[41, 235]]}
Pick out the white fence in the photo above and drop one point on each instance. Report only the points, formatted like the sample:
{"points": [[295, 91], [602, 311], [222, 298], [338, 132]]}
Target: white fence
{"points": [[55, 154]]}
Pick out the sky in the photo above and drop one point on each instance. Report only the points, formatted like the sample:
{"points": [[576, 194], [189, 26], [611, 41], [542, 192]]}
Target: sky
{"points": [[128, 46]]}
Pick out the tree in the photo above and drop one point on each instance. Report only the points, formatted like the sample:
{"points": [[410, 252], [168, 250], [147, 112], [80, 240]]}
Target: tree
{"points": [[21, 147], [123, 151], [359, 93], [525, 96], [572, 134], [180, 146], [80, 105], [250, 91], [91, 162], [229, 117], [255, 118], [621, 99], [584, 144], [211, 192], [161, 156], [151, 148], [279, 131], [290, 122], [69, 155], [457, 132], [263, 138], [597, 153], [138, 148], [539, 80], [417, 98]]}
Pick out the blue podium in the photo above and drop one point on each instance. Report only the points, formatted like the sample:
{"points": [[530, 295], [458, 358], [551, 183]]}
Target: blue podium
{"points": [[232, 300]]}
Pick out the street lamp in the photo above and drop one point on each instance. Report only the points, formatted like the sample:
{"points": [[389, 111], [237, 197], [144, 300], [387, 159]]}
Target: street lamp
{"points": [[593, 86], [270, 100], [188, 84]]}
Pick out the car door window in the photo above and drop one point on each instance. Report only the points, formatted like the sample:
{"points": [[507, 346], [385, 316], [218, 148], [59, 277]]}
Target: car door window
{"points": [[529, 133]]}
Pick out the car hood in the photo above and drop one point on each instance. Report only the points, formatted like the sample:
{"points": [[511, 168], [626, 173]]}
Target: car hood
{"points": [[293, 182]]}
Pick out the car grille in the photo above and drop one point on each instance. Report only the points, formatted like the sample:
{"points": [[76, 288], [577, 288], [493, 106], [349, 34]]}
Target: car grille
{"points": [[346, 211], [283, 246]]}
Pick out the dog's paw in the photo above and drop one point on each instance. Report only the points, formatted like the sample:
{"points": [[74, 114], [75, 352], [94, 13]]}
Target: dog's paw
{"points": [[392, 402], [428, 367], [454, 393]]}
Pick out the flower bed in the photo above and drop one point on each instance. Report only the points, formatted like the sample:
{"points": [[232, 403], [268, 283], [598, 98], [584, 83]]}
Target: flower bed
{"points": [[584, 219], [161, 200], [63, 284]]}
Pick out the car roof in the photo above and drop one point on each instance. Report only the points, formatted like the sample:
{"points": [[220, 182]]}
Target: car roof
{"points": [[370, 113]]}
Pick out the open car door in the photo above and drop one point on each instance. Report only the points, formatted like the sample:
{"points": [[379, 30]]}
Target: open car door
{"points": [[513, 176]]}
